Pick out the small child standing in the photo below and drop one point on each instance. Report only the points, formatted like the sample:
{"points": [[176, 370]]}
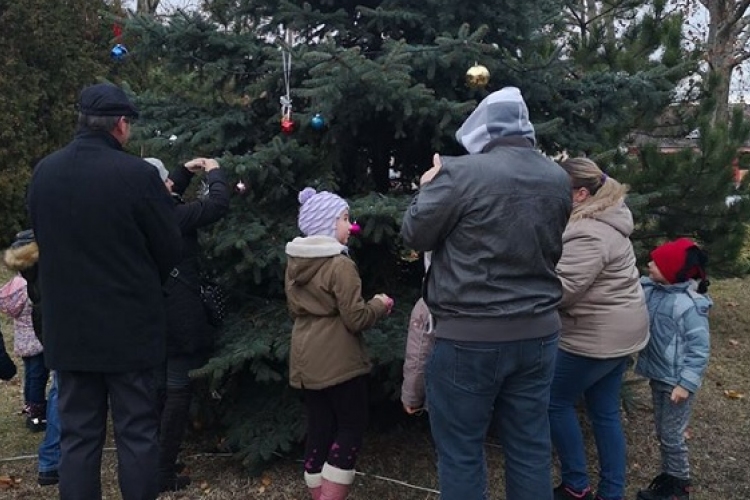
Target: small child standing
{"points": [[420, 341], [327, 358], [14, 301], [675, 357]]}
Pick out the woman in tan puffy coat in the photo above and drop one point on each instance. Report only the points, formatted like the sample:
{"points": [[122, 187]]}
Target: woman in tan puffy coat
{"points": [[604, 321]]}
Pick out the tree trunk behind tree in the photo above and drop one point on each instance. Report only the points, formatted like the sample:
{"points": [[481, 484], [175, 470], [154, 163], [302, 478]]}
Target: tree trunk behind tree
{"points": [[147, 6], [725, 26]]}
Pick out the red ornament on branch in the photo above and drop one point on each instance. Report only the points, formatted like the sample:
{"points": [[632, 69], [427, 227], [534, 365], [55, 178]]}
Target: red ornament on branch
{"points": [[287, 125]]}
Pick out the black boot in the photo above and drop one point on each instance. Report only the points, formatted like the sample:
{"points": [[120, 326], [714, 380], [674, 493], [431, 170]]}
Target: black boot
{"points": [[174, 419], [36, 416], [680, 489], [666, 487]]}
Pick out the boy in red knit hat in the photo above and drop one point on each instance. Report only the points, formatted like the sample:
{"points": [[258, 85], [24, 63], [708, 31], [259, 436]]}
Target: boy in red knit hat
{"points": [[675, 357]]}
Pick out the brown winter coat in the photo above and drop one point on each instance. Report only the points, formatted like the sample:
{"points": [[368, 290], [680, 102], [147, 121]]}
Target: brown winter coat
{"points": [[324, 295], [603, 309]]}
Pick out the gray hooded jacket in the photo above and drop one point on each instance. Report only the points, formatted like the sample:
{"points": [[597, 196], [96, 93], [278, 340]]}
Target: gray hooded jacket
{"points": [[494, 220]]}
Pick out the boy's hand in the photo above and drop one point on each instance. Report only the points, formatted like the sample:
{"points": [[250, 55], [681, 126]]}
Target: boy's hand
{"points": [[679, 394]]}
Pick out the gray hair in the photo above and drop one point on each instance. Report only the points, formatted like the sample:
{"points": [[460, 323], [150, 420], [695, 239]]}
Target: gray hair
{"points": [[103, 123]]}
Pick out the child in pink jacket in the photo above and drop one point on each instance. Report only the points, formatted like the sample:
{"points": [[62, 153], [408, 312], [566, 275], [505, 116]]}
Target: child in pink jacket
{"points": [[14, 302], [419, 343]]}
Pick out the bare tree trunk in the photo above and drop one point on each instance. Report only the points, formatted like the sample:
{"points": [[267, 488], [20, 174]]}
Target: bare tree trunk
{"points": [[147, 6], [726, 46]]}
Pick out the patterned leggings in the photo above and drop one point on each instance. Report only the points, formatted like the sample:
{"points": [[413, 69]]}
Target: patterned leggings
{"points": [[671, 422], [336, 422]]}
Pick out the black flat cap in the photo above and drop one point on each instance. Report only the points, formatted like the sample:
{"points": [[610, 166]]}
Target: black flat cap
{"points": [[104, 99]]}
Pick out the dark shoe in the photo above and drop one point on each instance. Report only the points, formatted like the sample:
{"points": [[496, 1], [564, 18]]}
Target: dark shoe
{"points": [[176, 483], [36, 416], [680, 489], [666, 487], [563, 492], [48, 478], [36, 424], [658, 487]]}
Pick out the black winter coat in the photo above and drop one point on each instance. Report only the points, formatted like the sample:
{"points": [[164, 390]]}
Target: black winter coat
{"points": [[188, 330], [108, 238]]}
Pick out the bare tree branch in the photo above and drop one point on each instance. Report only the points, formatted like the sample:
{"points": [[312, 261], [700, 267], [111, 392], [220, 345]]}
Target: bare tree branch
{"points": [[739, 11]]}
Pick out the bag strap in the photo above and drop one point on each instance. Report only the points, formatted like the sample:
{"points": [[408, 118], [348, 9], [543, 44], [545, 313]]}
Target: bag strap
{"points": [[175, 273]]}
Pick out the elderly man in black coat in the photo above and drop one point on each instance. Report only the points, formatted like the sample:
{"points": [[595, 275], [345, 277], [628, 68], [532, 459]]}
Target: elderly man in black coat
{"points": [[108, 238]]}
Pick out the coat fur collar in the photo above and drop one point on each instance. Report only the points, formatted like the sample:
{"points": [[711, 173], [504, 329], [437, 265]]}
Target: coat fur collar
{"points": [[23, 257]]}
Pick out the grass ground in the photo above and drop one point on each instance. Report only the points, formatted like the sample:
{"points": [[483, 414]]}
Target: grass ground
{"points": [[719, 438]]}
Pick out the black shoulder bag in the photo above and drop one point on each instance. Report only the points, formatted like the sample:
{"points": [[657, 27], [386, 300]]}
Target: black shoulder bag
{"points": [[212, 297]]}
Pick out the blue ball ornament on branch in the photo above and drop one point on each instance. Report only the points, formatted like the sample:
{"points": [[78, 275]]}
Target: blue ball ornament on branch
{"points": [[318, 122], [118, 52]]}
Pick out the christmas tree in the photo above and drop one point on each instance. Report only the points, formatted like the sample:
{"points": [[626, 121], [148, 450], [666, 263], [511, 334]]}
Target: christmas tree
{"points": [[372, 89]]}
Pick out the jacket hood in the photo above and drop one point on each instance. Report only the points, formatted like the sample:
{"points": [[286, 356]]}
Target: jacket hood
{"points": [[500, 114], [21, 257], [308, 255], [618, 216]]}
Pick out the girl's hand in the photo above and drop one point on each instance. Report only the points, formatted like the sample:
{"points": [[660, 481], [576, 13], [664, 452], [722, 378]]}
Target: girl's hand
{"points": [[679, 394], [385, 300]]}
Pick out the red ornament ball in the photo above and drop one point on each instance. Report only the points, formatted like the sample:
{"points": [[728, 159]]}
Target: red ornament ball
{"points": [[287, 126]]}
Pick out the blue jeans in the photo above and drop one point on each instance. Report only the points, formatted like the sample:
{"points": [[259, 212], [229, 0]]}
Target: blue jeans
{"points": [[474, 385], [36, 375], [599, 382], [49, 450]]}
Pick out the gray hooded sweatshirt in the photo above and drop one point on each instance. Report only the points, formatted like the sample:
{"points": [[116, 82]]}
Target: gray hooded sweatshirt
{"points": [[494, 221]]}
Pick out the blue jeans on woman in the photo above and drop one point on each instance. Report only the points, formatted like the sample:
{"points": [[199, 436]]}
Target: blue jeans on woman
{"points": [[473, 387], [36, 376], [49, 450], [599, 382]]}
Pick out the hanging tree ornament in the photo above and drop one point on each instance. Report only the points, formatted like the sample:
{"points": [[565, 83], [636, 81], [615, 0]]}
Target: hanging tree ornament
{"points": [[477, 77], [119, 51], [287, 124], [318, 122], [240, 187]]}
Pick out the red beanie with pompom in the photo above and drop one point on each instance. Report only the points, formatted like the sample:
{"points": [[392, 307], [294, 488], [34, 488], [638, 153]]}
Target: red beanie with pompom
{"points": [[670, 259]]}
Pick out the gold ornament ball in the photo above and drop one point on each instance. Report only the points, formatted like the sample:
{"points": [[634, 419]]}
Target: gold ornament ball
{"points": [[477, 77]]}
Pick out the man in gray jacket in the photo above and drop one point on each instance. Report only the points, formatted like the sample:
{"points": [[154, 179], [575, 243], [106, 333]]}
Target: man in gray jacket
{"points": [[494, 221]]}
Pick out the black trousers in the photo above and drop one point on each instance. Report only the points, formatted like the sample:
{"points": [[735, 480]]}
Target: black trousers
{"points": [[336, 423], [83, 401]]}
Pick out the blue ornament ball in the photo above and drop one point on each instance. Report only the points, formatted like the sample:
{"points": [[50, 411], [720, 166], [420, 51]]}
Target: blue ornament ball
{"points": [[118, 52], [318, 122]]}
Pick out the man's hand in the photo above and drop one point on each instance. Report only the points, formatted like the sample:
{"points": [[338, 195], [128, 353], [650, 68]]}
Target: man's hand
{"points": [[431, 173]]}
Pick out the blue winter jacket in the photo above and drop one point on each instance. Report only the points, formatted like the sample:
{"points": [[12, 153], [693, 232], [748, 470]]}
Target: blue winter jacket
{"points": [[677, 353]]}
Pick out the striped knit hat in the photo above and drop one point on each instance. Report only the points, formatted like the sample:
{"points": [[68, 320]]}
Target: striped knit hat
{"points": [[319, 211]]}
